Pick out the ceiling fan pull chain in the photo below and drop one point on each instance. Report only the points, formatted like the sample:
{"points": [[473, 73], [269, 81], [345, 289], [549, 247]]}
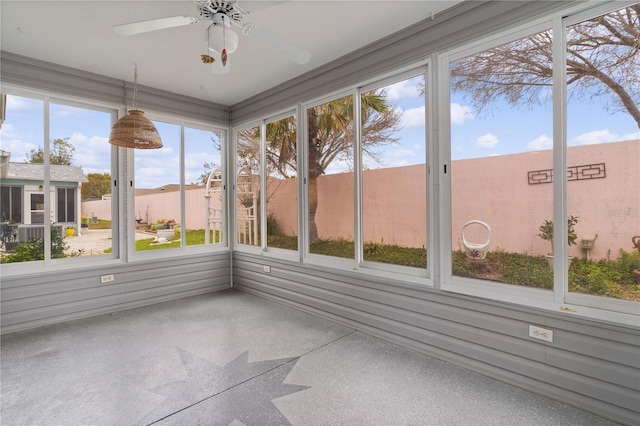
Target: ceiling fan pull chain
{"points": [[223, 56]]}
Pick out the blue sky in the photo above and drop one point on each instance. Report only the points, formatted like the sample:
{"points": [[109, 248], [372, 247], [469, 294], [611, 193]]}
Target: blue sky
{"points": [[499, 130]]}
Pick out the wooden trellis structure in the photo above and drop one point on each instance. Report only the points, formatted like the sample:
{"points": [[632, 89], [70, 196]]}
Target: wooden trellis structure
{"points": [[213, 214], [247, 207]]}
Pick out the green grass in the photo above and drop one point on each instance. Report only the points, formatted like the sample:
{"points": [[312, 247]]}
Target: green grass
{"points": [[604, 278], [612, 278], [283, 242], [193, 238], [102, 224]]}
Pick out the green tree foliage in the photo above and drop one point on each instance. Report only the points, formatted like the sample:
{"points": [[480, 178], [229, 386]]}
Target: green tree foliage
{"points": [[99, 184], [330, 137], [61, 152]]}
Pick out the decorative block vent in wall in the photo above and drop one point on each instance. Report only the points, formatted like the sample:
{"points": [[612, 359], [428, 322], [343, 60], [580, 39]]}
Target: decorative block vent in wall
{"points": [[583, 172]]}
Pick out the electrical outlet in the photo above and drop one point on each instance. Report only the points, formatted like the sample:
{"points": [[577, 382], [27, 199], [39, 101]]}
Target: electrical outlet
{"points": [[266, 269], [106, 278], [540, 333]]}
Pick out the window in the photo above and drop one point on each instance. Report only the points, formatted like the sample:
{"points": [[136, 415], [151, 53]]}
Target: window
{"points": [[603, 155], [501, 153], [248, 174], [179, 193], [11, 202], [37, 208], [330, 179], [204, 187], [157, 191], [281, 147], [80, 170], [49, 179], [66, 199], [394, 173], [543, 210], [266, 197]]}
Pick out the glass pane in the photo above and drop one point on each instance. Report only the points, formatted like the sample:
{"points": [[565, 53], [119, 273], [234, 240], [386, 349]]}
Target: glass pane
{"points": [[282, 184], [61, 210], [203, 184], [21, 176], [80, 156], [157, 191], [394, 180], [248, 169], [11, 204], [603, 154], [330, 181], [501, 163]]}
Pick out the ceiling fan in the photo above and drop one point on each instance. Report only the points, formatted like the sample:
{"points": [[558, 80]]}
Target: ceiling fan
{"points": [[221, 40]]}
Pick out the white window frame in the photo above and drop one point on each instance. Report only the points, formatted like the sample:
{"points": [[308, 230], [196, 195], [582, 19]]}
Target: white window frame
{"points": [[559, 299], [233, 172], [49, 264], [291, 255], [263, 249], [416, 275], [184, 250]]}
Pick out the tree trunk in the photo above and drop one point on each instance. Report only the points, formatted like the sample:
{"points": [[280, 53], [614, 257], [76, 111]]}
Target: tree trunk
{"points": [[315, 170], [313, 206]]}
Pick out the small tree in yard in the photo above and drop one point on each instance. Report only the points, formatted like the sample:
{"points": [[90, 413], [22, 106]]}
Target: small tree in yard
{"points": [[61, 152], [546, 231]]}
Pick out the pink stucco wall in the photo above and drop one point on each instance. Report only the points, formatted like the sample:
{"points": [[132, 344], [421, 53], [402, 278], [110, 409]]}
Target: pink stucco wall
{"points": [[492, 189], [284, 203], [495, 190], [157, 206]]}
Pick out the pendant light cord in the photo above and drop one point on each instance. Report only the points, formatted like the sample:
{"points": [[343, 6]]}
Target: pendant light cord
{"points": [[135, 85]]}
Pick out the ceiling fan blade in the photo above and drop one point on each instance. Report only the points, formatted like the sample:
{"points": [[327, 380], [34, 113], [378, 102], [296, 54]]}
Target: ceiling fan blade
{"points": [[293, 52], [154, 25]]}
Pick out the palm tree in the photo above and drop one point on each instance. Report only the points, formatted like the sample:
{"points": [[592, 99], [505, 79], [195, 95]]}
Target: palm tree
{"points": [[330, 135]]}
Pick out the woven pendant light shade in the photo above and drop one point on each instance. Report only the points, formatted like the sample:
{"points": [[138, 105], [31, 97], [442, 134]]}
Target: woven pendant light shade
{"points": [[134, 130]]}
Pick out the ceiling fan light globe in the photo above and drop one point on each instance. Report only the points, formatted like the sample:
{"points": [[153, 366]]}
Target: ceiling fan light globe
{"points": [[220, 39]]}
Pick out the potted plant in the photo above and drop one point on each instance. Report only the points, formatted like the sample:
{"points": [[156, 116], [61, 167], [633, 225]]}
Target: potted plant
{"points": [[163, 230], [546, 233], [70, 231]]}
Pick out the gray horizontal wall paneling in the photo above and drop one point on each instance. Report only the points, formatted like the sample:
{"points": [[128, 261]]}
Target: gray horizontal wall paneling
{"points": [[590, 364], [464, 22], [32, 73], [33, 301]]}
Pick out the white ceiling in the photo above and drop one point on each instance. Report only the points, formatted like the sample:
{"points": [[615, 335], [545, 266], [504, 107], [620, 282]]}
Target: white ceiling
{"points": [[79, 34]]}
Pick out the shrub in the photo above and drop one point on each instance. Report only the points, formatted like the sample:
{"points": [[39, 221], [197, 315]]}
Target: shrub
{"points": [[33, 249], [273, 227]]}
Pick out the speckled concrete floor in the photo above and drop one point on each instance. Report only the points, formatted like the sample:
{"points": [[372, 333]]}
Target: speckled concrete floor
{"points": [[231, 358]]}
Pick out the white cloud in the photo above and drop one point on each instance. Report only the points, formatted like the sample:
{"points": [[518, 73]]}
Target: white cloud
{"points": [[540, 143], [18, 149], [413, 117], [488, 141], [16, 103], [460, 114], [593, 137], [8, 130], [399, 153], [405, 89], [602, 136], [197, 160]]}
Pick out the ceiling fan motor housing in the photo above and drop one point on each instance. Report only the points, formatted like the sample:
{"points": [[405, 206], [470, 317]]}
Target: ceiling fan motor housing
{"points": [[208, 9]]}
